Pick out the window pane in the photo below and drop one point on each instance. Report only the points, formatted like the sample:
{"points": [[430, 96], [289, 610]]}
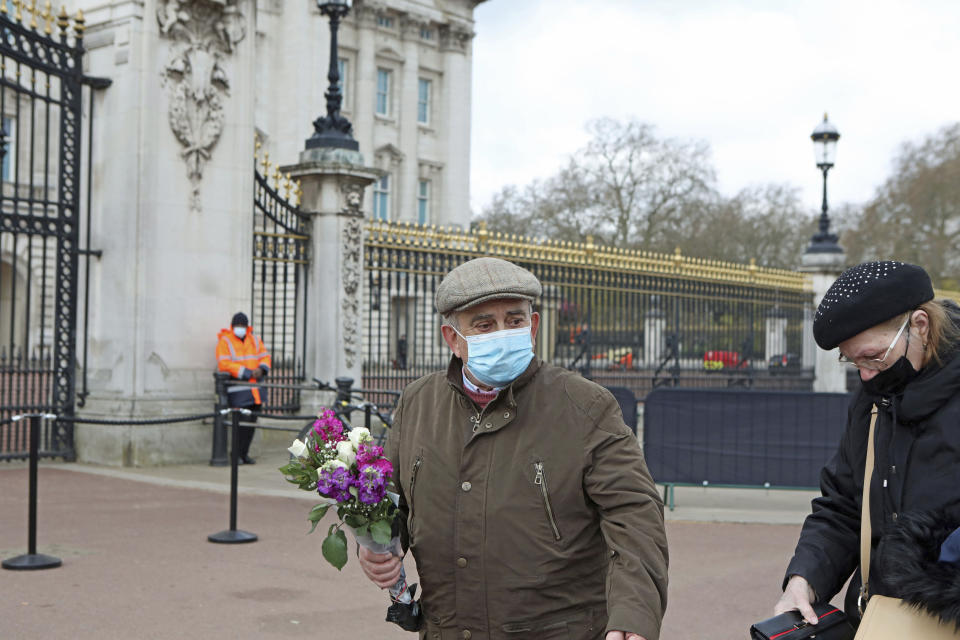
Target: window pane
{"points": [[342, 83], [383, 92], [423, 101], [423, 201]]}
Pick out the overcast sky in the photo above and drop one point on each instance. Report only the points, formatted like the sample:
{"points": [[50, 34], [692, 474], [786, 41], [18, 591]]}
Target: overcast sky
{"points": [[750, 77]]}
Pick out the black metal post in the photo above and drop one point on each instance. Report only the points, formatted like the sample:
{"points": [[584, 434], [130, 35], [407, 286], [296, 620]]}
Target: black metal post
{"points": [[823, 241], [333, 130], [218, 457], [32, 559], [232, 535], [344, 385]]}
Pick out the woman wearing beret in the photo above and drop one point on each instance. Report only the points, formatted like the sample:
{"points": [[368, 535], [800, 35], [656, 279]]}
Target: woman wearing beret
{"points": [[906, 346]]}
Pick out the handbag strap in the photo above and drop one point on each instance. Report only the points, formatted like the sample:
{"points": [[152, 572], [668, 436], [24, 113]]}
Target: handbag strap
{"points": [[865, 531]]}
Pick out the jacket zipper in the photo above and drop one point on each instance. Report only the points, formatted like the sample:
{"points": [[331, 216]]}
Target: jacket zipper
{"points": [[541, 481], [413, 480]]}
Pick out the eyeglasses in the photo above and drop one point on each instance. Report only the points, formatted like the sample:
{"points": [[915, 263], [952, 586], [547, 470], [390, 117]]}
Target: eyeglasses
{"points": [[877, 364]]}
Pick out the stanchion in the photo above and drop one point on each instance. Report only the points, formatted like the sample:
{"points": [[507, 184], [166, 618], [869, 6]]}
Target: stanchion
{"points": [[33, 560], [232, 535]]}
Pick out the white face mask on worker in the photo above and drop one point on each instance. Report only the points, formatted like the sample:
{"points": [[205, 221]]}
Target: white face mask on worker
{"points": [[240, 332]]}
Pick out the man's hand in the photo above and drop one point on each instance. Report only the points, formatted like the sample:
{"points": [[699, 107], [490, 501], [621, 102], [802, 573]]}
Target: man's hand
{"points": [[798, 595], [256, 374], [619, 635], [382, 569]]}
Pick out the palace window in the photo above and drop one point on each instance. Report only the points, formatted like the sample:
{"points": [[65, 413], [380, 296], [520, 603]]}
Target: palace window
{"points": [[426, 34], [423, 101], [384, 82], [381, 198], [385, 21], [423, 201], [344, 83]]}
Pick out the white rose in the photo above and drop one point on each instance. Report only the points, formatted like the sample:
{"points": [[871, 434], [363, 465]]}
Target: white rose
{"points": [[334, 464], [298, 449], [358, 436], [346, 453]]}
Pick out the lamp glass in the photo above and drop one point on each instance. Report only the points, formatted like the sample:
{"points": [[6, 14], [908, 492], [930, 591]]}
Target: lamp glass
{"points": [[825, 151]]}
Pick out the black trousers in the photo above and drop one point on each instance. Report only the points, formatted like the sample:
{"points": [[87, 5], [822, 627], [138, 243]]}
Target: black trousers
{"points": [[246, 433]]}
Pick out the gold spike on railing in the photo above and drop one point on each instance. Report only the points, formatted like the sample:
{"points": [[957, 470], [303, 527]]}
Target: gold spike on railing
{"points": [[265, 163], [18, 16], [48, 17], [79, 25], [32, 10], [298, 193], [63, 20]]}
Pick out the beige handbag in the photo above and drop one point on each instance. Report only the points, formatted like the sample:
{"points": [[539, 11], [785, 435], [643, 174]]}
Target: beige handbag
{"points": [[889, 618]]}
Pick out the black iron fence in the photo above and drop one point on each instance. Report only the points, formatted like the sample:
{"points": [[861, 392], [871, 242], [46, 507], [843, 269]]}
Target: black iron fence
{"points": [[623, 318], [43, 176], [279, 291]]}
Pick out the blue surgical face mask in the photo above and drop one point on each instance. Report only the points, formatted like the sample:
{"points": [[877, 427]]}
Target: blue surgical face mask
{"points": [[498, 358], [240, 332]]}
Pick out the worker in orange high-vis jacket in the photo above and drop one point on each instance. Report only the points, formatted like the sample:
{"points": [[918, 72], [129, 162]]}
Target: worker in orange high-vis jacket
{"points": [[244, 356]]}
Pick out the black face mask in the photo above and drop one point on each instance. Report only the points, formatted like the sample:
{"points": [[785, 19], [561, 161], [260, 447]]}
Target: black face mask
{"points": [[891, 380]]}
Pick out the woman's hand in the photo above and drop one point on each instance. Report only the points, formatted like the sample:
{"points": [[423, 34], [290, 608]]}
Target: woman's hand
{"points": [[620, 635], [798, 595]]}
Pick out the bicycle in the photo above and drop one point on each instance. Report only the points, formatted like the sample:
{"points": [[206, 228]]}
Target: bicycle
{"points": [[343, 406]]}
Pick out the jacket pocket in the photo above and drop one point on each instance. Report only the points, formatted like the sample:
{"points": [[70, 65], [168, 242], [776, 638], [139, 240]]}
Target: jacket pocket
{"points": [[540, 480], [413, 480]]}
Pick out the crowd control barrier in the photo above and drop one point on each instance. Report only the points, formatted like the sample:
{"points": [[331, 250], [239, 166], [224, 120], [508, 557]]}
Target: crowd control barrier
{"points": [[740, 438]]}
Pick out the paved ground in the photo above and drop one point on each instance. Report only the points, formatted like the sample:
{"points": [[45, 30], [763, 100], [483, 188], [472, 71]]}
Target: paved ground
{"points": [[137, 563]]}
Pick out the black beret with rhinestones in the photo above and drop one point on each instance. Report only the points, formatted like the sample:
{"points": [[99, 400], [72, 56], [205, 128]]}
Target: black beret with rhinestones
{"points": [[867, 295]]}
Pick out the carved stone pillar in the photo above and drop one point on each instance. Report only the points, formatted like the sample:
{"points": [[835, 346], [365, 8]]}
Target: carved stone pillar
{"points": [[829, 373], [333, 183]]}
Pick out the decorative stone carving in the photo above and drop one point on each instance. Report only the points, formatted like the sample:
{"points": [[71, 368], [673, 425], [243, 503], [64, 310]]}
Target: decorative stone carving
{"points": [[455, 37], [204, 34], [351, 251]]}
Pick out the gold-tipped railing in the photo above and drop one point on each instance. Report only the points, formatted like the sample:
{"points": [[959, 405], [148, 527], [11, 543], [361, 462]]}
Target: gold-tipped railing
{"points": [[44, 15], [414, 237]]}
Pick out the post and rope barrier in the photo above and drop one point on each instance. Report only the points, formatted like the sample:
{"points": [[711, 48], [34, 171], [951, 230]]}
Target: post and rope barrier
{"points": [[32, 560], [234, 535]]}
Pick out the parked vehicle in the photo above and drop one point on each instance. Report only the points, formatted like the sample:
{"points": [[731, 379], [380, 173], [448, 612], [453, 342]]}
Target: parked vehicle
{"points": [[783, 362], [718, 360]]}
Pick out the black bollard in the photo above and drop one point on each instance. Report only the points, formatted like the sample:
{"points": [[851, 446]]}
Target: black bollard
{"points": [[218, 457], [32, 559], [232, 535]]}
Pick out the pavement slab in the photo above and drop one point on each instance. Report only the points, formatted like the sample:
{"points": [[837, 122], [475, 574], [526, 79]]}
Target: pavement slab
{"points": [[137, 563]]}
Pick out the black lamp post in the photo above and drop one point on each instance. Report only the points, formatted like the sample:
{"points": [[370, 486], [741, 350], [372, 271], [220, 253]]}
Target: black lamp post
{"points": [[824, 138], [333, 130]]}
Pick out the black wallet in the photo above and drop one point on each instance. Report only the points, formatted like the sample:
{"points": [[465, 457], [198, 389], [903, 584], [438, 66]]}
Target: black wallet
{"points": [[833, 625]]}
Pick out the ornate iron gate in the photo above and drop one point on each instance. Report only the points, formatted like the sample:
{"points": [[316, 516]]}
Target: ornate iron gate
{"points": [[279, 281], [41, 89]]}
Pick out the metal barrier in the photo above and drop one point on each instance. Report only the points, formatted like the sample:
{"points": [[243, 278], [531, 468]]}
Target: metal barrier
{"points": [[737, 438]]}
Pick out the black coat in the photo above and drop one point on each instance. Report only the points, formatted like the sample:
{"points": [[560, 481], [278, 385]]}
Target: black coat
{"points": [[917, 470]]}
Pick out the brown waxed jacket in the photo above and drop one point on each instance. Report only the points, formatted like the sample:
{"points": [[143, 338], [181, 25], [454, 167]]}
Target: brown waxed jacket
{"points": [[535, 518]]}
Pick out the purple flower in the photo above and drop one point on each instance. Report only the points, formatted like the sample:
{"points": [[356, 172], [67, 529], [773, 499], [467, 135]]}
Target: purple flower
{"points": [[368, 453], [328, 428], [371, 485], [334, 483]]}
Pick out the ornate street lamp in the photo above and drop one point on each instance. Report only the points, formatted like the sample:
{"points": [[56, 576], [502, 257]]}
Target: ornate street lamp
{"points": [[824, 138], [333, 130]]}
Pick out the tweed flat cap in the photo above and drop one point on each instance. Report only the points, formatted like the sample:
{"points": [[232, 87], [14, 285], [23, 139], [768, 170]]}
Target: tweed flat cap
{"points": [[483, 279], [867, 295]]}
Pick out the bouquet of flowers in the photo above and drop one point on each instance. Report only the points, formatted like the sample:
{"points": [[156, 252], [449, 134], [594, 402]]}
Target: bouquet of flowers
{"points": [[350, 472]]}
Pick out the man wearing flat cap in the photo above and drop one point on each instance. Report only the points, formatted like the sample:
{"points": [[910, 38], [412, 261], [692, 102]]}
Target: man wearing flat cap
{"points": [[883, 319], [525, 498]]}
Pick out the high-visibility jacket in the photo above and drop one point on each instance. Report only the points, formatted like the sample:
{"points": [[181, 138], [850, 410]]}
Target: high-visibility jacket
{"points": [[239, 358]]}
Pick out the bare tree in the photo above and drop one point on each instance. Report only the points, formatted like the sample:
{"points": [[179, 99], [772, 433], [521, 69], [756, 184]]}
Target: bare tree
{"points": [[640, 183], [915, 214]]}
